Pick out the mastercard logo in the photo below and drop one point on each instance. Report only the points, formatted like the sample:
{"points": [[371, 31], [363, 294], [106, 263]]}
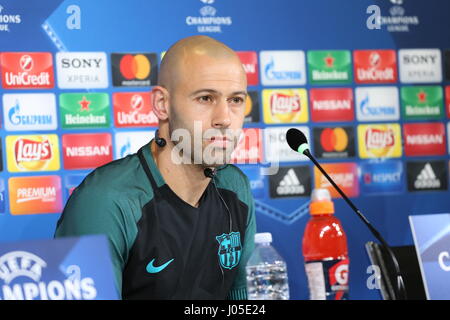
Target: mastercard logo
{"points": [[248, 105], [334, 139], [135, 66]]}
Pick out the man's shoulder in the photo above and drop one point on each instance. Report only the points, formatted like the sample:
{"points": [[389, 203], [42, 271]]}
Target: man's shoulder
{"points": [[119, 177], [233, 179]]}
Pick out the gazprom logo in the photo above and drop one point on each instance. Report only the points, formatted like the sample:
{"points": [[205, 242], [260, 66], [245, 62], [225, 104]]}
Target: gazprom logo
{"points": [[16, 118], [20, 263], [283, 67], [273, 74], [29, 112], [377, 104]]}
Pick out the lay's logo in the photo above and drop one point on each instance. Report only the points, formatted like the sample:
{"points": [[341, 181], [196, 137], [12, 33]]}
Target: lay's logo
{"points": [[377, 141], [32, 153], [376, 138], [284, 103], [285, 106]]}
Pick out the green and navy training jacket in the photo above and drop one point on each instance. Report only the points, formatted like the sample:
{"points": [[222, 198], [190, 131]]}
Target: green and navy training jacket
{"points": [[162, 247]]}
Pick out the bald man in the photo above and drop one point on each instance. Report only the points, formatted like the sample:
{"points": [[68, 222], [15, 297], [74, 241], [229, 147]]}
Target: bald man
{"points": [[180, 220]]}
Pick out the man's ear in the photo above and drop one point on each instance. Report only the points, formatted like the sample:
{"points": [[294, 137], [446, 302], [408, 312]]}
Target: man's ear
{"points": [[160, 102]]}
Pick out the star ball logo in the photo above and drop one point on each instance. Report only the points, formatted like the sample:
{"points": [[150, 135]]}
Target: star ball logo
{"points": [[27, 70], [134, 70], [336, 142]]}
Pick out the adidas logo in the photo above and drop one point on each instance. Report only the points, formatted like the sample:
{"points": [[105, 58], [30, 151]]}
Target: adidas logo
{"points": [[427, 179], [290, 185]]}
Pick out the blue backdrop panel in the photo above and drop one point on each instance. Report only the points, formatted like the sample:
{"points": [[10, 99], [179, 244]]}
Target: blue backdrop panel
{"points": [[150, 27]]}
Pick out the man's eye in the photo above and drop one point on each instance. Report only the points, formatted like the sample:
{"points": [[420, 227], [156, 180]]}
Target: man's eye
{"points": [[205, 99], [237, 100]]}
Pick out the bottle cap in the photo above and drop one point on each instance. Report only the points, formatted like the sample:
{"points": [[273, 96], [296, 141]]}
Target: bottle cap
{"points": [[264, 237], [321, 202]]}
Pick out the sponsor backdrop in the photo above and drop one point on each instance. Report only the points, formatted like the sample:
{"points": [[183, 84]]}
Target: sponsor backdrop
{"points": [[367, 82]]}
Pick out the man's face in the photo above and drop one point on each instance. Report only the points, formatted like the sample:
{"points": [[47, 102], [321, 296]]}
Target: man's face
{"points": [[208, 101]]}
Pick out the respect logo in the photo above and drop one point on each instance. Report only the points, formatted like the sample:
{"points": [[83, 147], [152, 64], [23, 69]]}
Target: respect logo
{"points": [[285, 105], [379, 141], [32, 153]]}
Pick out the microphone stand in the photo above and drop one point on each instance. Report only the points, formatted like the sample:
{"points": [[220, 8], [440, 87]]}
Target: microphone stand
{"points": [[400, 292]]}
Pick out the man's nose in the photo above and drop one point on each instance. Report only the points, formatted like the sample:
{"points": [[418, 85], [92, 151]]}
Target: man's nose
{"points": [[221, 117]]}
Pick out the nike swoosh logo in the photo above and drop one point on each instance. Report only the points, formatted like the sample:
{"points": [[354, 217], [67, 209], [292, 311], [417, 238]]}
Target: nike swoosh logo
{"points": [[152, 269]]}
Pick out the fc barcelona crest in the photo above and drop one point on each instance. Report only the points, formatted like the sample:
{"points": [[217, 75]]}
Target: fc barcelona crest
{"points": [[229, 249]]}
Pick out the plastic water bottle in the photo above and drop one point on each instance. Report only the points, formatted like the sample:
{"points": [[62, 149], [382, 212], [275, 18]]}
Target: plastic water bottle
{"points": [[266, 271], [325, 250]]}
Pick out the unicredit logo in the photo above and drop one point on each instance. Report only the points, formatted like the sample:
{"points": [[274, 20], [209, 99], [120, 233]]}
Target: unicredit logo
{"points": [[27, 70], [26, 63], [133, 109], [375, 66]]}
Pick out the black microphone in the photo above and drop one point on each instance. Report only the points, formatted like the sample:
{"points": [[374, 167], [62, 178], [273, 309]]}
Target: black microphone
{"points": [[298, 142], [209, 172]]}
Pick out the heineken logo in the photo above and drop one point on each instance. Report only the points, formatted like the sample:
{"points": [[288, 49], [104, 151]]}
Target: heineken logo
{"points": [[329, 66], [422, 102], [84, 110]]}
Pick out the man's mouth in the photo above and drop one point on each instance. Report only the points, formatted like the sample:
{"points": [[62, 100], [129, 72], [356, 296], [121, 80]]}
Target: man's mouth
{"points": [[220, 141]]}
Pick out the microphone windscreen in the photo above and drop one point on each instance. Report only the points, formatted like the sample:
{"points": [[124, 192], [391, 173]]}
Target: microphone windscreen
{"points": [[295, 138]]}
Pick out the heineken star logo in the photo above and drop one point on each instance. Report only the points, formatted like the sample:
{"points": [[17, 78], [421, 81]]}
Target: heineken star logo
{"points": [[84, 103], [422, 96], [329, 61]]}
